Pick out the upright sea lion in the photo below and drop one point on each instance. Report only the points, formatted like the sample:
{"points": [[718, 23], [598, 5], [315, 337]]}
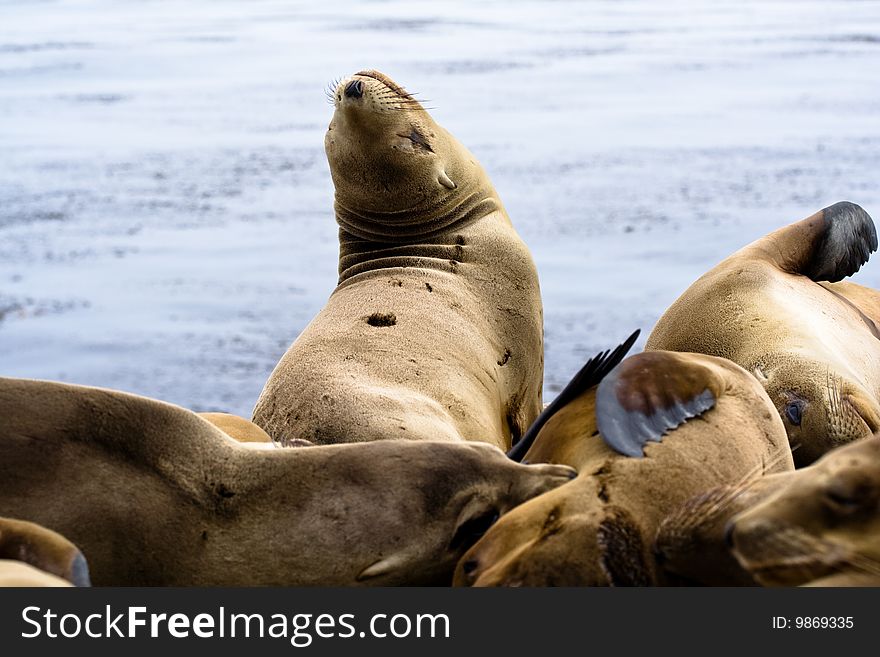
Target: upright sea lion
{"points": [[822, 528], [434, 331], [31, 555], [775, 308], [598, 530], [155, 495]]}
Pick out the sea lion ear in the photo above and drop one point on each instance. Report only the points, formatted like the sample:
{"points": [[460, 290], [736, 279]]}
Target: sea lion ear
{"points": [[444, 180], [650, 394], [588, 376], [844, 243]]}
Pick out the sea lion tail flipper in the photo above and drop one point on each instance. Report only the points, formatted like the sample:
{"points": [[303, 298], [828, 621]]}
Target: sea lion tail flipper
{"points": [[828, 246], [43, 549], [650, 394], [589, 375]]}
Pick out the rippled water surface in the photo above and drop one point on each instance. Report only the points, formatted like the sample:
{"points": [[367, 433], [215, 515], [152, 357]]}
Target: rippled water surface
{"points": [[165, 203]]}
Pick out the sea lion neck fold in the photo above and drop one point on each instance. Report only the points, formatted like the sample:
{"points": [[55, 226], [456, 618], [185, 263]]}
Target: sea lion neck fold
{"points": [[399, 177]]}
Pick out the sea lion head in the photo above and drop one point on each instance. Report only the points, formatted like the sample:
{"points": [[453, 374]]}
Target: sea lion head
{"points": [[558, 540], [43, 549], [435, 503], [398, 175], [821, 408], [825, 521]]}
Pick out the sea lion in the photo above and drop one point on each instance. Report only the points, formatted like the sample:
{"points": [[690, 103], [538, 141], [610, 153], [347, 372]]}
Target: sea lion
{"points": [[236, 427], [598, 530], [155, 495], [822, 528], [31, 555], [775, 308], [435, 329]]}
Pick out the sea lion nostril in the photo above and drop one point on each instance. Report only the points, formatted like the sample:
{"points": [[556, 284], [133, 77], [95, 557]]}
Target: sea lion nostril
{"points": [[659, 556], [728, 535], [470, 566], [354, 89]]}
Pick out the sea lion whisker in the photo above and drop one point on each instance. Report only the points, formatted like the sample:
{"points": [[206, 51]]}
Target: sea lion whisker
{"points": [[828, 553], [703, 511], [722, 502], [735, 490], [709, 505], [863, 563]]}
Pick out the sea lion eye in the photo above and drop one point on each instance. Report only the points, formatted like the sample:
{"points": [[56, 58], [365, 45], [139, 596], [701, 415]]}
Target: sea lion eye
{"points": [[794, 412], [847, 495], [472, 530]]}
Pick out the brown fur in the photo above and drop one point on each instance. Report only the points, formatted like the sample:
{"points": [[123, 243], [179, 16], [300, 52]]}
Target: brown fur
{"points": [[155, 495], [807, 342], [598, 528], [821, 528], [435, 329], [244, 431], [31, 555]]}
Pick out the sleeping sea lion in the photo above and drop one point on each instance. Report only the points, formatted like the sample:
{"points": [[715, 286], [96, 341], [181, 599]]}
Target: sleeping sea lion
{"points": [[155, 495], [716, 424], [776, 309]]}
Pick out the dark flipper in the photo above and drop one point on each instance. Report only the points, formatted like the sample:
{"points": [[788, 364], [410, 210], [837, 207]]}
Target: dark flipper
{"points": [[588, 376], [828, 246], [845, 243], [649, 395]]}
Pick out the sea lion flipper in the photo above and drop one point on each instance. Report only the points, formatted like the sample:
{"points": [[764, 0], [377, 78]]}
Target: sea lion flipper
{"points": [[588, 376], [828, 246], [650, 394], [847, 241]]}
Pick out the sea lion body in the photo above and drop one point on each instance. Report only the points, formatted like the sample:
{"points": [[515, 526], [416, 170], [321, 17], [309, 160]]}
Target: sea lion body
{"points": [[775, 309], [599, 529], [434, 331], [155, 495], [821, 528]]}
